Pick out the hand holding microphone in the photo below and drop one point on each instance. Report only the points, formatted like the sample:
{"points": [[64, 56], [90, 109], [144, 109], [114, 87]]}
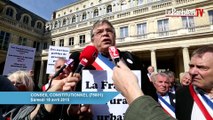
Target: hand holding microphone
{"points": [[87, 57], [64, 71]]}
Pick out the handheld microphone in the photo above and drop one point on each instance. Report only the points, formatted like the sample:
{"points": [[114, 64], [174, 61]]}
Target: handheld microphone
{"points": [[73, 59], [114, 54], [69, 62], [87, 57]]}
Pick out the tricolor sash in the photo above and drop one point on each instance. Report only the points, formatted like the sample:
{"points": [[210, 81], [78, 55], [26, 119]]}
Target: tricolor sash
{"points": [[199, 101], [44, 87], [168, 108], [103, 63]]}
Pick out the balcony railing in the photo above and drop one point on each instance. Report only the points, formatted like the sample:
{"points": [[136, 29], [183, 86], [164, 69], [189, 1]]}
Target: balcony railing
{"points": [[122, 14], [171, 33], [152, 36]]}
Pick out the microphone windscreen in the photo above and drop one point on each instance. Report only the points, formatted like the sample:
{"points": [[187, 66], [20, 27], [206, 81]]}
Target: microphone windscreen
{"points": [[89, 53], [75, 57], [113, 51]]}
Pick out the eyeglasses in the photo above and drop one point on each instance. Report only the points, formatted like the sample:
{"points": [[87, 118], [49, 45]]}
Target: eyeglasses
{"points": [[101, 31]]}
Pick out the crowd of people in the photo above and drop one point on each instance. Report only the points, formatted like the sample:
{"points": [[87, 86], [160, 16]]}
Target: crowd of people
{"points": [[158, 98]]}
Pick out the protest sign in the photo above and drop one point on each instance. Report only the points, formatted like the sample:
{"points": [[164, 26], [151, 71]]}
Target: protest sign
{"points": [[100, 81], [19, 58], [53, 54]]}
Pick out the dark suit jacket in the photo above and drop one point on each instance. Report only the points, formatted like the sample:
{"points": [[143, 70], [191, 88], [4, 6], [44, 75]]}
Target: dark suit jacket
{"points": [[172, 99], [184, 104]]}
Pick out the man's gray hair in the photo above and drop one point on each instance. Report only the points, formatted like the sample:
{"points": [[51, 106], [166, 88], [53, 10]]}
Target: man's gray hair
{"points": [[200, 51], [154, 76], [100, 22]]}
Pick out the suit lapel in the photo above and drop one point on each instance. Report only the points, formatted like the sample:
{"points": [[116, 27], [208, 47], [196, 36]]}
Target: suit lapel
{"points": [[172, 99]]}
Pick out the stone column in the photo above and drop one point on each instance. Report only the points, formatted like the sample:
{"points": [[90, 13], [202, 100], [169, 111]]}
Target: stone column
{"points": [[40, 83], [153, 60], [186, 58]]}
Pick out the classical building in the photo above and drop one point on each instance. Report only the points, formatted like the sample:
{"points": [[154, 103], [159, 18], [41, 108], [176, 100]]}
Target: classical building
{"points": [[22, 27], [162, 33]]}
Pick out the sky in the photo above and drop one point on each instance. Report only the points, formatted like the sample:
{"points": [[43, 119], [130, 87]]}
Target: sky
{"points": [[43, 8]]}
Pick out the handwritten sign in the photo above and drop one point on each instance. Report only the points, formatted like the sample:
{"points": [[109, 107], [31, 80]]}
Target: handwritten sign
{"points": [[53, 54], [101, 81], [19, 58]]}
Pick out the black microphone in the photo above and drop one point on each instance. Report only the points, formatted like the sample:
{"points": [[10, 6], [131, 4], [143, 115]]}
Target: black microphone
{"points": [[114, 54], [69, 62], [87, 57], [73, 60]]}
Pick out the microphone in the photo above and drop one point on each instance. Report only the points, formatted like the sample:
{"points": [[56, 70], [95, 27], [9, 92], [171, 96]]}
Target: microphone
{"points": [[87, 57], [70, 61], [114, 54], [73, 59]]}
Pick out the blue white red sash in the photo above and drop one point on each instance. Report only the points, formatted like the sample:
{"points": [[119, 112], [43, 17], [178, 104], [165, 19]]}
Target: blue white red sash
{"points": [[198, 101], [44, 87], [168, 108], [103, 63], [207, 100]]}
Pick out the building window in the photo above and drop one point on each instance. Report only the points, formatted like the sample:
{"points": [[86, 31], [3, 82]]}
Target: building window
{"points": [[53, 43], [73, 19], [22, 41], [109, 8], [140, 2], [141, 29], [4, 40], [210, 16], [36, 45], [188, 22], [124, 32], [95, 13], [56, 24], [39, 25], [71, 41], [84, 16], [26, 19], [45, 46], [124, 5], [61, 42], [163, 27], [149, 1], [64, 22], [9, 12], [81, 39]]}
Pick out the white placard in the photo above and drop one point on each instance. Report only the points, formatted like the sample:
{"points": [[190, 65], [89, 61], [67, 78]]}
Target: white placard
{"points": [[19, 58], [101, 81], [53, 54]]}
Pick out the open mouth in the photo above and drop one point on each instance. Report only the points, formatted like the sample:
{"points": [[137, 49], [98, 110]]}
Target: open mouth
{"points": [[107, 41]]}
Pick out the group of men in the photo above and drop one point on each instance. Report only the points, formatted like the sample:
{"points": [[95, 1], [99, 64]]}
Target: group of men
{"points": [[141, 105], [194, 102]]}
